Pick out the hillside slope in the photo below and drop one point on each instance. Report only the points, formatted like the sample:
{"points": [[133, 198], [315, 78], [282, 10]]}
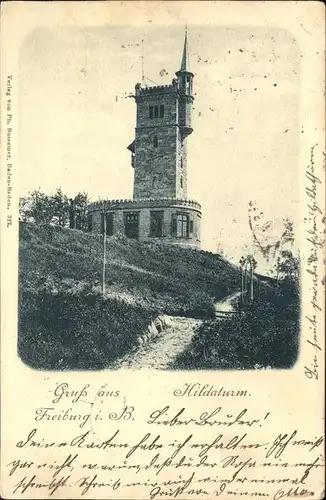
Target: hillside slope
{"points": [[64, 323]]}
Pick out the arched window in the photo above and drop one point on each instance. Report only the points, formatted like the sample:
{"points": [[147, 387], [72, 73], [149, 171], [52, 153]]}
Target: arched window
{"points": [[180, 225], [155, 141], [154, 182]]}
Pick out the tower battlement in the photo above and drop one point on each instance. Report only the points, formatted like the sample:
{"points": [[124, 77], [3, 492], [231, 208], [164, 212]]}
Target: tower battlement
{"points": [[157, 89], [144, 202]]}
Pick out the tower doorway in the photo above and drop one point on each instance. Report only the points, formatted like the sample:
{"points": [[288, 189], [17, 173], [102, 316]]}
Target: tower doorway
{"points": [[132, 225]]}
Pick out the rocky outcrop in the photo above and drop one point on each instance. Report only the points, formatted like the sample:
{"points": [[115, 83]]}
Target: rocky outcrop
{"points": [[154, 330]]}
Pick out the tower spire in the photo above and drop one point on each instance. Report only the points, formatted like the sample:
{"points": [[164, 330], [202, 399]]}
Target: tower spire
{"points": [[185, 55]]}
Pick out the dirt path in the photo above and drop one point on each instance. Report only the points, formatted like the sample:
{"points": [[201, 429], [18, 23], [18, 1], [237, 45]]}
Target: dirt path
{"points": [[226, 306], [158, 353]]}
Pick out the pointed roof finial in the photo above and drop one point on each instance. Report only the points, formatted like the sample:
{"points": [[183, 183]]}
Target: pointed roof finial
{"points": [[185, 56]]}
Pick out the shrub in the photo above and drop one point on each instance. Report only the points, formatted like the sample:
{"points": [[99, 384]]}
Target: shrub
{"points": [[77, 331], [265, 336]]}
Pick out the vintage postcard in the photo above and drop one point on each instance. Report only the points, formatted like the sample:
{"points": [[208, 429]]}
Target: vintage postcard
{"points": [[162, 250]]}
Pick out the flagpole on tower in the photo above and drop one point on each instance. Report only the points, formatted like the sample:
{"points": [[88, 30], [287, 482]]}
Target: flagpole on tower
{"points": [[142, 63]]}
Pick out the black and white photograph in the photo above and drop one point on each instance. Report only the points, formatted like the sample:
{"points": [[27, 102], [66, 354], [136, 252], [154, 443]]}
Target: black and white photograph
{"points": [[159, 201], [162, 250]]}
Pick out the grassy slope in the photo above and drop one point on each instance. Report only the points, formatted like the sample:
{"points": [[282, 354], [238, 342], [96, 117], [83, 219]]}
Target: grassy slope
{"points": [[63, 321]]}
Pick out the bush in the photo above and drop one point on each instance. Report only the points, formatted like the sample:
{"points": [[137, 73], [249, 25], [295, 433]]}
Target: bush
{"points": [[81, 331], [266, 335]]}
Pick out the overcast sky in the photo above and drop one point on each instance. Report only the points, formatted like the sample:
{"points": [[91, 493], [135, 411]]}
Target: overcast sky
{"points": [[76, 121]]}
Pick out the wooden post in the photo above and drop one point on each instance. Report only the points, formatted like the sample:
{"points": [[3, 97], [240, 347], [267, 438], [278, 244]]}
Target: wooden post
{"points": [[242, 296], [251, 282], [246, 285], [104, 251]]}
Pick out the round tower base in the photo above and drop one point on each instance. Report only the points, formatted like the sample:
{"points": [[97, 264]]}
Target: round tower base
{"points": [[169, 220]]}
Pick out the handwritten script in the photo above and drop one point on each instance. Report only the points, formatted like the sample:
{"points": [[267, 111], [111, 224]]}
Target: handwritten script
{"points": [[315, 240], [174, 458]]}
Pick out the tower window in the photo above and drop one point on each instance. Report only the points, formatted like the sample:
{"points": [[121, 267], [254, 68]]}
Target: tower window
{"points": [[155, 141], [181, 182], [180, 225], [131, 220], [108, 223], [154, 182], [181, 162], [188, 85], [89, 222], [156, 224], [156, 111]]}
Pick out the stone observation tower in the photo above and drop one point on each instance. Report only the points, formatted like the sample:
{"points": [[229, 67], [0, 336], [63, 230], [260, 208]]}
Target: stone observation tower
{"points": [[160, 208]]}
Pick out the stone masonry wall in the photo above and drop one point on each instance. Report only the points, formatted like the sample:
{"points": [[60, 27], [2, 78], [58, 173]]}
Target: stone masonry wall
{"points": [[181, 170], [155, 167]]}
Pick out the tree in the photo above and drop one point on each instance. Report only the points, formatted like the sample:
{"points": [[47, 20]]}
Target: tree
{"points": [[248, 265], [25, 209], [41, 207], [60, 205], [57, 209], [268, 244], [287, 267], [79, 211]]}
